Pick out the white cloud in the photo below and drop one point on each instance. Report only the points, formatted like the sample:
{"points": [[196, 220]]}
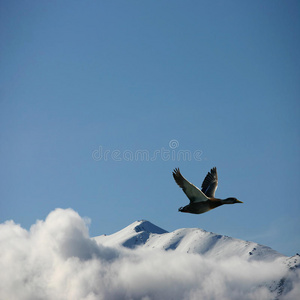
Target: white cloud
{"points": [[56, 259]]}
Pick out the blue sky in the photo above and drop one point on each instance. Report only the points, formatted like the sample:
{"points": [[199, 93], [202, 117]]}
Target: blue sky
{"points": [[215, 78]]}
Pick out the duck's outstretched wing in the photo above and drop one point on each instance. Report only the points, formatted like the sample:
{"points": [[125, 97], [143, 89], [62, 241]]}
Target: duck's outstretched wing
{"points": [[192, 192], [210, 183]]}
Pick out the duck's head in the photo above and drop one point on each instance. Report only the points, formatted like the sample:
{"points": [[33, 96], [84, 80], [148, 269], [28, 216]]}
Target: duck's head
{"points": [[231, 200]]}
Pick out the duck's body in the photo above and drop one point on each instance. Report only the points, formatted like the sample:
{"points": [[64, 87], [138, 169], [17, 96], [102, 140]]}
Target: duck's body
{"points": [[202, 200], [201, 207]]}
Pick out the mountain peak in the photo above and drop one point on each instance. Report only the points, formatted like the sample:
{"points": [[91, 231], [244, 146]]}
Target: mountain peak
{"points": [[146, 226], [133, 235]]}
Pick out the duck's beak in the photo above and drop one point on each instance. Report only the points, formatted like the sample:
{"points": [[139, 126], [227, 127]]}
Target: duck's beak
{"points": [[238, 201]]}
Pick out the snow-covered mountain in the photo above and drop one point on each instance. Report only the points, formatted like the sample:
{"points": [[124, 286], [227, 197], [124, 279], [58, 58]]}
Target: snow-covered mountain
{"points": [[144, 234], [190, 240]]}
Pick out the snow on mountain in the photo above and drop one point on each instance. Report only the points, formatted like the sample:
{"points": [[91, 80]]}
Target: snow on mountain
{"points": [[190, 240], [137, 233]]}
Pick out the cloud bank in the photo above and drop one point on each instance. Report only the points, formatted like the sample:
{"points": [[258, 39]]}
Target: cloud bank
{"points": [[56, 259]]}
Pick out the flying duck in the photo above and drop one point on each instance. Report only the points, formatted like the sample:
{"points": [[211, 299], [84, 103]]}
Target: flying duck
{"points": [[202, 200]]}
